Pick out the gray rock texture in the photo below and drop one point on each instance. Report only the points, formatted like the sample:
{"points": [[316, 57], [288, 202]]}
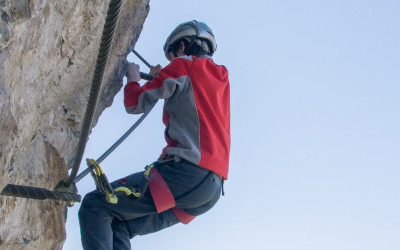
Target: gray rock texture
{"points": [[48, 50]]}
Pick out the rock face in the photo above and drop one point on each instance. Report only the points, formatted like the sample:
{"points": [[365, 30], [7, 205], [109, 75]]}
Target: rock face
{"points": [[48, 50]]}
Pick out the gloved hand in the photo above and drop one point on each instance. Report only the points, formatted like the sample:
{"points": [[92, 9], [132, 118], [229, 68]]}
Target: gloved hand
{"points": [[133, 74], [155, 70]]}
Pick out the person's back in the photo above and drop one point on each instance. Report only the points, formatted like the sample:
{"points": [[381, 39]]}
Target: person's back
{"points": [[210, 106], [196, 110]]}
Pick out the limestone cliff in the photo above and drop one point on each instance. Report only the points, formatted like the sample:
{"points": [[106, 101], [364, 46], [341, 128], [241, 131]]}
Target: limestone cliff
{"points": [[48, 50]]}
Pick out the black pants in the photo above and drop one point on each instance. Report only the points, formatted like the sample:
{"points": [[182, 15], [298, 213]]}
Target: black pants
{"points": [[111, 226]]}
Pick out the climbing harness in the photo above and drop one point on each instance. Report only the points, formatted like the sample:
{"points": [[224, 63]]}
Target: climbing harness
{"points": [[66, 189], [160, 192], [162, 195]]}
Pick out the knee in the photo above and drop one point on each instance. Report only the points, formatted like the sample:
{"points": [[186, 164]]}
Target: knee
{"points": [[83, 208], [87, 206]]}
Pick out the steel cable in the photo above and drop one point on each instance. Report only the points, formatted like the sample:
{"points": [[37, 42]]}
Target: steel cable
{"points": [[102, 58], [38, 193], [114, 9], [129, 131], [116, 144]]}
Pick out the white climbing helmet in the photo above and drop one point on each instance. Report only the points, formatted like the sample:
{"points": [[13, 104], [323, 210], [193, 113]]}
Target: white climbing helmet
{"points": [[192, 29]]}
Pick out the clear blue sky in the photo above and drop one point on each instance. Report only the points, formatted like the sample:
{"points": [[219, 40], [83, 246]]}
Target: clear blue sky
{"points": [[315, 160]]}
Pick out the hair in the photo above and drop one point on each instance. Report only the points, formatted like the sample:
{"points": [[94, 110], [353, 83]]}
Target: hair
{"points": [[195, 50]]}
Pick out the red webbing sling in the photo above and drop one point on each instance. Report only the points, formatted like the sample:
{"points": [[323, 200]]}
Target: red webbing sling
{"points": [[163, 198]]}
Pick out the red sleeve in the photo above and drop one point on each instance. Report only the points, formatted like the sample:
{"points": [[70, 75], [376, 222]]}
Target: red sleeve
{"points": [[131, 93]]}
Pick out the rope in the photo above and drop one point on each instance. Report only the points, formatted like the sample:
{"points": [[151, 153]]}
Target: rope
{"points": [[39, 193], [130, 130], [116, 144], [114, 9]]}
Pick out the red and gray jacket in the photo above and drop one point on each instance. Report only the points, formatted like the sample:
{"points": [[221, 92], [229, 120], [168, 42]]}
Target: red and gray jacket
{"points": [[196, 110]]}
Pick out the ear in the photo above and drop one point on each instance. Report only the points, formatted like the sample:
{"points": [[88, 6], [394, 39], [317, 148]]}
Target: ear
{"points": [[182, 48]]}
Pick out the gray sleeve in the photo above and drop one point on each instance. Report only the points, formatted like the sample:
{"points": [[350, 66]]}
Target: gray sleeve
{"points": [[149, 97]]}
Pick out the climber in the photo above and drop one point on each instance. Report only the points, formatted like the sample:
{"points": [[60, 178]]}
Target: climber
{"points": [[187, 179]]}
